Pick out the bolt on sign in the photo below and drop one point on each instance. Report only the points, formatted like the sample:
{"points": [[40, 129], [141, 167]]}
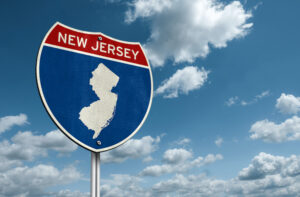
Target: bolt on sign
{"points": [[97, 89]]}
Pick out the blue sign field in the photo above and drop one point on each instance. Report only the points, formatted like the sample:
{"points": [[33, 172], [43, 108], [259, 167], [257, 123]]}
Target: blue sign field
{"points": [[96, 89]]}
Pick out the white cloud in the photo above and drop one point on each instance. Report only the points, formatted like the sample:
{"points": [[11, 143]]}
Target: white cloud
{"points": [[244, 103], [158, 170], [18, 180], [54, 140], [183, 141], [236, 100], [288, 104], [208, 159], [32, 181], [202, 185], [111, 1], [69, 193], [146, 9], [134, 148], [258, 5], [183, 81], [263, 94], [185, 30], [147, 159], [256, 98], [178, 161], [232, 101], [26, 146], [123, 185], [8, 122], [267, 175], [267, 164], [219, 141], [261, 166], [175, 156], [268, 131], [6, 164], [189, 186]]}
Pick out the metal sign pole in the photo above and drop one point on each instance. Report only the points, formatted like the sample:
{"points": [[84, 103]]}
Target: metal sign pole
{"points": [[95, 174]]}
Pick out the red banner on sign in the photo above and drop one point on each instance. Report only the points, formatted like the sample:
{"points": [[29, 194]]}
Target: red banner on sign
{"points": [[96, 44]]}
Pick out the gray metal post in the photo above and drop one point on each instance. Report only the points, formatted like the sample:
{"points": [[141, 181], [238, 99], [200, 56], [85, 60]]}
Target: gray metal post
{"points": [[95, 174]]}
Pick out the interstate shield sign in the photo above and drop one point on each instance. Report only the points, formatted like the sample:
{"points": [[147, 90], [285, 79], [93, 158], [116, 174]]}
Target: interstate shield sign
{"points": [[97, 90]]}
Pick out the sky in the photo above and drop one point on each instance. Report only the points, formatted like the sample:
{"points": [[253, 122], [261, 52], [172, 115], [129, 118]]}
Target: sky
{"points": [[225, 117]]}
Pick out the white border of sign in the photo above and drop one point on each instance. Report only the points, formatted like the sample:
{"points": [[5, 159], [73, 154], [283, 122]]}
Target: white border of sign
{"points": [[50, 112]]}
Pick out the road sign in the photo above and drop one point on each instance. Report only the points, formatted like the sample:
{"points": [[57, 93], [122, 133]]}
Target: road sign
{"points": [[97, 90]]}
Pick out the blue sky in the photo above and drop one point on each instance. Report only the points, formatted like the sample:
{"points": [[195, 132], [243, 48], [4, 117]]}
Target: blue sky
{"points": [[225, 116]]}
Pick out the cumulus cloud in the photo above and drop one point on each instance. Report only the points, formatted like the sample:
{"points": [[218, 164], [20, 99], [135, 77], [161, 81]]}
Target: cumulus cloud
{"points": [[134, 148], [267, 175], [123, 185], [208, 159], [26, 146], [219, 141], [175, 156], [288, 104], [185, 30], [18, 180], [188, 186], [268, 131], [8, 122], [178, 161], [69, 193], [145, 9], [202, 185], [267, 164], [6, 164], [54, 140], [183, 81], [32, 181], [147, 159]]}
